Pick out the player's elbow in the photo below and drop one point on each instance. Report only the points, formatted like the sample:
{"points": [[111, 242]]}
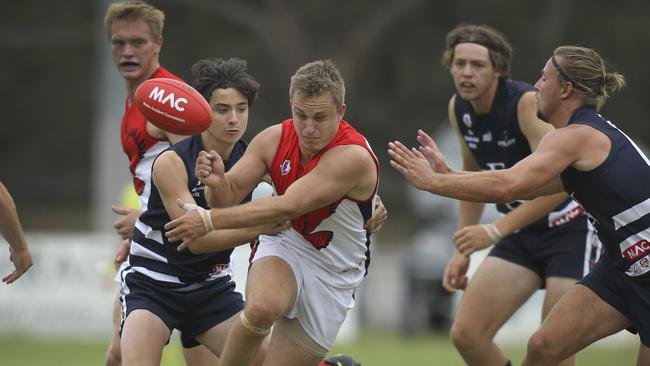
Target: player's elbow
{"points": [[505, 193]]}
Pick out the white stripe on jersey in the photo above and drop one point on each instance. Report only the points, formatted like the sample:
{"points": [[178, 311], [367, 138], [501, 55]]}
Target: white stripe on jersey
{"points": [[157, 275], [143, 170], [148, 232], [631, 214], [140, 251]]}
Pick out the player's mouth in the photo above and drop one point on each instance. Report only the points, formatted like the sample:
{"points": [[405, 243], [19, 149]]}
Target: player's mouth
{"points": [[233, 131], [465, 85], [129, 66]]}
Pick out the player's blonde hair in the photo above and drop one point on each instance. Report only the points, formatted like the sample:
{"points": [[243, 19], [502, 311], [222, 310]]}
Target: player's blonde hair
{"points": [[585, 69], [131, 11], [498, 47], [317, 78]]}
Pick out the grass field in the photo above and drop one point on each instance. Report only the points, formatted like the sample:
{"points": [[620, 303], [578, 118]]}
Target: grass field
{"points": [[371, 350]]}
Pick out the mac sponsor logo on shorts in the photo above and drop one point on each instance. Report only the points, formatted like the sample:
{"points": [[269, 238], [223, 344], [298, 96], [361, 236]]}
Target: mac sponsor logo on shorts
{"points": [[285, 167], [637, 250]]}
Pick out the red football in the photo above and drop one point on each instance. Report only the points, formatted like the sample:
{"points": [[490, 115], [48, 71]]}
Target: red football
{"points": [[173, 106]]}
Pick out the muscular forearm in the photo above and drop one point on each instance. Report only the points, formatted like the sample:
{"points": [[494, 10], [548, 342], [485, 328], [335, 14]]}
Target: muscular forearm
{"points": [[9, 222], [485, 186], [263, 211], [224, 239], [528, 213], [469, 213]]}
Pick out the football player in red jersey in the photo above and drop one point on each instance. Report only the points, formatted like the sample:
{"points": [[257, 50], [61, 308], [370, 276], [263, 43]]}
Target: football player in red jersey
{"points": [[302, 280]]}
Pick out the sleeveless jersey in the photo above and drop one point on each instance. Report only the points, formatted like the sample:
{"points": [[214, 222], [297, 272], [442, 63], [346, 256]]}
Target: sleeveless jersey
{"points": [[496, 142], [616, 196], [333, 236], [140, 147], [153, 255]]}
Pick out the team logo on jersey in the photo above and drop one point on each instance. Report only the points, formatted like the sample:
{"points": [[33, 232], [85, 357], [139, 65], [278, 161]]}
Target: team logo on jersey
{"points": [[487, 137], [285, 167], [467, 120]]}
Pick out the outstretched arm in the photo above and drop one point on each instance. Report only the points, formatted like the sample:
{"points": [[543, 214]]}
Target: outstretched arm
{"points": [[346, 170], [536, 175], [12, 231], [171, 180]]}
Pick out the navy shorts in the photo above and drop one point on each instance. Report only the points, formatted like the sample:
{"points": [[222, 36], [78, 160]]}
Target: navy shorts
{"points": [[629, 296], [192, 309], [569, 250]]}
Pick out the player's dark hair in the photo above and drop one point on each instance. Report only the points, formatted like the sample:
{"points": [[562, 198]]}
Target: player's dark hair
{"points": [[499, 49], [215, 73]]}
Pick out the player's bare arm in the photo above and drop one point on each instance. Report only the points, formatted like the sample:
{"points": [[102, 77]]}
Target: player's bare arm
{"points": [[346, 170], [244, 175], [469, 212], [536, 175], [170, 178]]}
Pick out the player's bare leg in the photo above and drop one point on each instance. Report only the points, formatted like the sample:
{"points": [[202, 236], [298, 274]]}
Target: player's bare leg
{"points": [[555, 288], [199, 356], [114, 355], [643, 358], [283, 351], [143, 337], [491, 297], [270, 291], [578, 319]]}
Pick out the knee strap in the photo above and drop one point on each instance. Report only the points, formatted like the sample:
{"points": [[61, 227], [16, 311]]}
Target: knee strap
{"points": [[251, 327]]}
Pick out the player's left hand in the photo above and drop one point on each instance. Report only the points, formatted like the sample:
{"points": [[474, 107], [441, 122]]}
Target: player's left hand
{"points": [[188, 227], [471, 239], [411, 164], [22, 260], [376, 221]]}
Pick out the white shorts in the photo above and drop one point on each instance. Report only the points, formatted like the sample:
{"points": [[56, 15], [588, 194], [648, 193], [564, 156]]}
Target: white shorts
{"points": [[320, 307]]}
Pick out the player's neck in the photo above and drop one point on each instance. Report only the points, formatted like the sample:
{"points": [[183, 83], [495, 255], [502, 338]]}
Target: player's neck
{"points": [[483, 104], [562, 115], [210, 143], [133, 84]]}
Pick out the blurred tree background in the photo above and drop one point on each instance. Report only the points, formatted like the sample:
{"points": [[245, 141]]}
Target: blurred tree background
{"points": [[388, 51]]}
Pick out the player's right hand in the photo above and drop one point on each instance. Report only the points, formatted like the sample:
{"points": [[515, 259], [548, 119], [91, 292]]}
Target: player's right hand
{"points": [[122, 253], [125, 224], [434, 156], [209, 168], [455, 277], [22, 260], [471, 239]]}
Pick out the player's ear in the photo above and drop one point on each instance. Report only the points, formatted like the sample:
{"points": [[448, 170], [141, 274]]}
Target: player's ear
{"points": [[158, 45], [341, 111]]}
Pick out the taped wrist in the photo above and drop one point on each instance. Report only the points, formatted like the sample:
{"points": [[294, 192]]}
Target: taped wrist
{"points": [[205, 215], [493, 232], [207, 219], [251, 327]]}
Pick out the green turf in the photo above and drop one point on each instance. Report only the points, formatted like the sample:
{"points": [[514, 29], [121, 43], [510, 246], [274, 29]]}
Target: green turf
{"points": [[373, 349]]}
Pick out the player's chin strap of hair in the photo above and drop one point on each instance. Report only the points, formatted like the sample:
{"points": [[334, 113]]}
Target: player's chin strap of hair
{"points": [[205, 215], [251, 327]]}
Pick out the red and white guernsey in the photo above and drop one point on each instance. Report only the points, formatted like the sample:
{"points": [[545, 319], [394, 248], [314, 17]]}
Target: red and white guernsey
{"points": [[332, 237], [140, 147]]}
